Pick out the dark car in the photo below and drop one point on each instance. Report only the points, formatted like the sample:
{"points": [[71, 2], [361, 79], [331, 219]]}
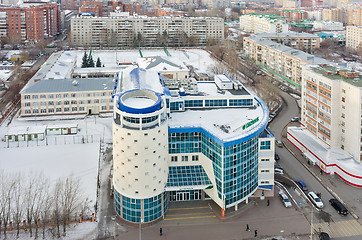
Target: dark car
{"points": [[276, 156], [302, 185], [341, 209], [324, 236]]}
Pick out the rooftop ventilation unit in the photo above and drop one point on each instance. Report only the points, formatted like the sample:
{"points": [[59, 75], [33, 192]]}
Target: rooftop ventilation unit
{"points": [[75, 83]]}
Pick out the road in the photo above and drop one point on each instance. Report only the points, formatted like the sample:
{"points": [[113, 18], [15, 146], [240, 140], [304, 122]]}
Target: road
{"points": [[296, 169]]}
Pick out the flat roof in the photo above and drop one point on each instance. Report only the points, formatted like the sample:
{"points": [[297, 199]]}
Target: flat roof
{"points": [[70, 85], [224, 123], [332, 70], [305, 57], [284, 35], [209, 88]]}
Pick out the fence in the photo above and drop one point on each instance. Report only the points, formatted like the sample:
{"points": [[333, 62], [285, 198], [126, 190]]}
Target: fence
{"points": [[56, 140], [8, 111]]}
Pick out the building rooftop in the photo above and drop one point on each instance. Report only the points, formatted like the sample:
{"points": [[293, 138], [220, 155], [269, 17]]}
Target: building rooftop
{"points": [[295, 53], [334, 73], [284, 35], [70, 85]]}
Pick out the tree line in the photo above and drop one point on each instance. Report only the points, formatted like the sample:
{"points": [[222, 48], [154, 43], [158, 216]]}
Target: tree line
{"points": [[34, 199], [87, 61]]}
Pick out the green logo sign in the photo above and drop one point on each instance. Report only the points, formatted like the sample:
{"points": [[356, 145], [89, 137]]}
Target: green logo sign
{"points": [[246, 125]]}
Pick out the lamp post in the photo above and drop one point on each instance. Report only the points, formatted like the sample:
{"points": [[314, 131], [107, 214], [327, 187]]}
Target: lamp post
{"points": [[140, 230]]}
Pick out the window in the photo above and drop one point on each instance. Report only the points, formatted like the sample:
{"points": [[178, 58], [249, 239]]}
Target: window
{"points": [[43, 96], [185, 158], [81, 108], [35, 104], [264, 145], [66, 102], [27, 97], [58, 109], [27, 111], [66, 109], [195, 158], [35, 111], [35, 97], [58, 96], [96, 100], [50, 110], [104, 108], [343, 99], [73, 95], [173, 158], [27, 104], [50, 96], [65, 95], [73, 102], [74, 109], [265, 160], [43, 111], [51, 103]]}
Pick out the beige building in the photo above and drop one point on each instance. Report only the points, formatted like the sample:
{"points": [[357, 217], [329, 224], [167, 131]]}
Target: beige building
{"points": [[303, 41], [334, 14], [354, 37], [281, 59], [351, 15], [89, 31], [354, 16], [67, 96], [263, 23], [331, 106]]}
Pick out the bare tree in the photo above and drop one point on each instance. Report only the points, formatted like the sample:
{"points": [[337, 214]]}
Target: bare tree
{"points": [[17, 208], [57, 206], [7, 186], [33, 190], [46, 203], [70, 200]]}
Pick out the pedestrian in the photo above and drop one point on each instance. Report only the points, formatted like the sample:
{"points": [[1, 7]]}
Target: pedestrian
{"points": [[247, 227], [161, 231], [255, 233], [321, 172], [268, 202]]}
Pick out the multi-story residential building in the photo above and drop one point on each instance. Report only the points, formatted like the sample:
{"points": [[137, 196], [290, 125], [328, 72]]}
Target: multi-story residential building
{"points": [[67, 96], [260, 23], [334, 14], [293, 15], [281, 59], [122, 31], [354, 16], [328, 26], [303, 41], [354, 37], [331, 114], [68, 5], [32, 21], [165, 149]]}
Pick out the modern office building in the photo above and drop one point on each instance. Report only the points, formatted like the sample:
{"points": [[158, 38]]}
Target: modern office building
{"points": [[354, 37], [124, 31], [263, 23], [331, 114], [305, 42], [172, 146], [281, 59]]}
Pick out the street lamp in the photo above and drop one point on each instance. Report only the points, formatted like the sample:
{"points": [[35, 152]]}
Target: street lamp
{"points": [[140, 231]]}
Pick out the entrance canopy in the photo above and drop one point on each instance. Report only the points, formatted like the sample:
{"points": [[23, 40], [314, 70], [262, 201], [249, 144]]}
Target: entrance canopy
{"points": [[187, 178]]}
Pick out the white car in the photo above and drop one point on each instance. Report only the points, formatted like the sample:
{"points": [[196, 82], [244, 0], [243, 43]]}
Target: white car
{"points": [[315, 199], [285, 200], [278, 171]]}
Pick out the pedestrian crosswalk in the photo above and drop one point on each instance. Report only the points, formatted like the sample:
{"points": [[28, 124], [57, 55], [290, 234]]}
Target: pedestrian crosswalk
{"points": [[340, 229], [188, 213]]}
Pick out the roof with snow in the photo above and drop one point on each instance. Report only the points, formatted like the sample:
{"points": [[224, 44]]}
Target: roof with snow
{"points": [[70, 85], [159, 64]]}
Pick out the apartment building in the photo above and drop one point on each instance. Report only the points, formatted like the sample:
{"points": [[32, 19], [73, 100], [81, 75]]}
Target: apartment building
{"points": [[293, 15], [122, 31], [260, 23], [354, 37], [169, 146], [67, 96], [328, 26], [303, 41], [354, 16], [331, 131], [30, 21], [334, 14], [349, 16], [281, 59]]}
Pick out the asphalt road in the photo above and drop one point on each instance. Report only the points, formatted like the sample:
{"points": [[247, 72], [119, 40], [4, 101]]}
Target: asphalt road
{"points": [[298, 170]]}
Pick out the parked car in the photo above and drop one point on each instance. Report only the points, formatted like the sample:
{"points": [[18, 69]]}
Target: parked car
{"points": [[302, 185], [315, 200], [341, 209], [295, 119], [277, 165], [279, 143], [278, 171], [276, 157], [285, 200], [324, 236]]}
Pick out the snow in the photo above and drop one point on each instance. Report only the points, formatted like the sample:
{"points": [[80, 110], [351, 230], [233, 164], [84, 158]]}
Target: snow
{"points": [[56, 161], [137, 78], [138, 102], [210, 88], [217, 120]]}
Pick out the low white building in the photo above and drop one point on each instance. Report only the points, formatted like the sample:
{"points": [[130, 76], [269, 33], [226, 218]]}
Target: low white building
{"points": [[328, 26], [263, 23], [31, 133]]}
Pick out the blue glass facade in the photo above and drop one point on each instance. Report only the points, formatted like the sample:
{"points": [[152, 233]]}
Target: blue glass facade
{"points": [[130, 209], [235, 167]]}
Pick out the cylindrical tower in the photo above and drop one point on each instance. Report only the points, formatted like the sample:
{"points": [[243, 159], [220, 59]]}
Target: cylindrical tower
{"points": [[140, 153]]}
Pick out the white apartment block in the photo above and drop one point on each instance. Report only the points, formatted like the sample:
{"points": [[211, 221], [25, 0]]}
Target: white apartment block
{"points": [[89, 31], [263, 23], [67, 96], [281, 59], [328, 26], [331, 106], [354, 37]]}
